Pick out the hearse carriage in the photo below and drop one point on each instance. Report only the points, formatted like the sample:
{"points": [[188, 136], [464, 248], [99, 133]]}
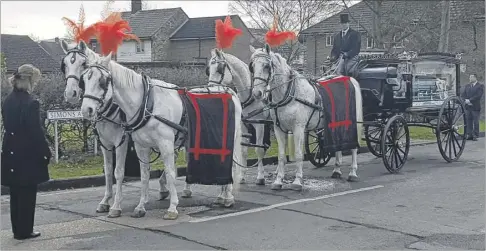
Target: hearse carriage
{"points": [[403, 90]]}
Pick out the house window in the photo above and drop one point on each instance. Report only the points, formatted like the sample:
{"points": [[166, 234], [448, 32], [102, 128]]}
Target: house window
{"points": [[329, 40], [370, 42], [397, 44], [140, 47], [94, 45]]}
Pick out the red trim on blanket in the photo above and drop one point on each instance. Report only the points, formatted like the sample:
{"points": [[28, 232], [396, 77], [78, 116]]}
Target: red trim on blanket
{"points": [[345, 80], [197, 150]]}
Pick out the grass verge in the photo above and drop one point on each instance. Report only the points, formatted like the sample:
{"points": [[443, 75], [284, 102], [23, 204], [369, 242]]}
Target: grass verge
{"points": [[89, 165]]}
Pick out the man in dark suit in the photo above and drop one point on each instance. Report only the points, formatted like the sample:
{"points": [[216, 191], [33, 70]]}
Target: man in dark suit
{"points": [[25, 151], [346, 47], [472, 95]]}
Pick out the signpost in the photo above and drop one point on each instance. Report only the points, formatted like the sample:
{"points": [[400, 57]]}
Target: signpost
{"points": [[64, 115]]}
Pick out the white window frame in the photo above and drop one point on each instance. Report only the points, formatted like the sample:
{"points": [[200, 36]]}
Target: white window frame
{"points": [[329, 40], [397, 44], [140, 47], [368, 46]]}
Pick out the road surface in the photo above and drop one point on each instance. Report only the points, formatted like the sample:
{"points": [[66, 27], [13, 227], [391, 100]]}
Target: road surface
{"points": [[431, 204]]}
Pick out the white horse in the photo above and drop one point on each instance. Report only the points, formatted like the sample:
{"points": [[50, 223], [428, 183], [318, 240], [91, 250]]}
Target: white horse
{"points": [[226, 69], [272, 74], [105, 79], [110, 131]]}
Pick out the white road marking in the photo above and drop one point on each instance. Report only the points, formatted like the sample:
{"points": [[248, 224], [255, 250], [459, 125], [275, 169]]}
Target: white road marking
{"points": [[255, 210]]}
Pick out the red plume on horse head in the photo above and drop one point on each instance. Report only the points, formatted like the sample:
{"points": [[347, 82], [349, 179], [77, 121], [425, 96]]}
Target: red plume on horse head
{"points": [[275, 38], [226, 33], [111, 33]]}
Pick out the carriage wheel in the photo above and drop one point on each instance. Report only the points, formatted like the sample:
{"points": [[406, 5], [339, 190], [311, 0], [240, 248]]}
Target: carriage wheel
{"points": [[452, 117], [373, 139], [395, 144], [313, 150]]}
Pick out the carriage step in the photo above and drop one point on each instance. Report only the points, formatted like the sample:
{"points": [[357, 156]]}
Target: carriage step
{"points": [[253, 145], [246, 135]]}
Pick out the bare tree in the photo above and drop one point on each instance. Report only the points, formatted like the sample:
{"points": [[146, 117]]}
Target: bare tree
{"points": [[292, 16], [396, 22]]}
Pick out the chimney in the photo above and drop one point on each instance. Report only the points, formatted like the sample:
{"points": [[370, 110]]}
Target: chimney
{"points": [[136, 6]]}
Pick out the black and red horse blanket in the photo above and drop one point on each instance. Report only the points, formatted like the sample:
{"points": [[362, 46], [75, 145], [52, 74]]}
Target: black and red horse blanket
{"points": [[210, 138], [339, 103]]}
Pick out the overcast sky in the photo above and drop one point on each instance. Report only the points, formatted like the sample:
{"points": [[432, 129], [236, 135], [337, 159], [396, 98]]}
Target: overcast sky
{"points": [[43, 18]]}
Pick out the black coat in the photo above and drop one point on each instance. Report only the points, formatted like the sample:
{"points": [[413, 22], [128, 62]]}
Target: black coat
{"points": [[474, 94], [25, 151], [349, 44]]}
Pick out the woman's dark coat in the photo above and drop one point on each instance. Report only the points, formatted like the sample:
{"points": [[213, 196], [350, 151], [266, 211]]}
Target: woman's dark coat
{"points": [[25, 151]]}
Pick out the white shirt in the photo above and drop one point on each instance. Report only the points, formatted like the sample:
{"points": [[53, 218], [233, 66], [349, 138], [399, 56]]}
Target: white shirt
{"points": [[343, 33], [473, 84]]}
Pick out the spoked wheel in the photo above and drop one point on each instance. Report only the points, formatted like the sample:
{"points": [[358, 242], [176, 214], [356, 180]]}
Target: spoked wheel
{"points": [[313, 150], [395, 144], [452, 117], [373, 139]]}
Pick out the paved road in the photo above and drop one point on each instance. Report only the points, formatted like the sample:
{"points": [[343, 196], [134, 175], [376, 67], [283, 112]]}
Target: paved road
{"points": [[431, 204]]}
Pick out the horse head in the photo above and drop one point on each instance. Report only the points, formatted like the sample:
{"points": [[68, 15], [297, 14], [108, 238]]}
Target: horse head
{"points": [[97, 85]]}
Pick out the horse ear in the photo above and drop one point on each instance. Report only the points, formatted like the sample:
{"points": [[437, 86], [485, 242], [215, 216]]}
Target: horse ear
{"points": [[213, 52], [252, 49], [267, 48], [64, 46], [82, 46], [106, 60], [218, 52]]}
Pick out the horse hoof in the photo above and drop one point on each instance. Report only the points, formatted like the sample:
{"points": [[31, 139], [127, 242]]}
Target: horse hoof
{"points": [[276, 186], [114, 213], [353, 178], [219, 201], [296, 187], [138, 214], [163, 195], [229, 203], [102, 208], [336, 175], [171, 215], [260, 182], [186, 193]]}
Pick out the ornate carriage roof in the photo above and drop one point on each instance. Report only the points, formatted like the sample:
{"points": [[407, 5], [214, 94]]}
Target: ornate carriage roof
{"points": [[396, 58]]}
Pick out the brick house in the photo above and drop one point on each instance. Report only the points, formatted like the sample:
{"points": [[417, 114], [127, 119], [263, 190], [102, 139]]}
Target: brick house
{"points": [[195, 39], [170, 35], [407, 25]]}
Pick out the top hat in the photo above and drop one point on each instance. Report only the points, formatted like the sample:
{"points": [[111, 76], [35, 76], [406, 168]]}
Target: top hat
{"points": [[344, 18]]}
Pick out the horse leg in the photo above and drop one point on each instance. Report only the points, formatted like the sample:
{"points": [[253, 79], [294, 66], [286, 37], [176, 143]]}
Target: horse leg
{"points": [[354, 166], [336, 173], [163, 191], [281, 141], [244, 155], [260, 152], [165, 148], [144, 157], [187, 192], [104, 205], [299, 143], [121, 154]]}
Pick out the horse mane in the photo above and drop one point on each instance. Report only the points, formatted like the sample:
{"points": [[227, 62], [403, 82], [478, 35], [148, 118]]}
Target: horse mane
{"points": [[277, 59]]}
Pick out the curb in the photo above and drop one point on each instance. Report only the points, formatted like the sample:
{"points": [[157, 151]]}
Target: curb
{"points": [[99, 180]]}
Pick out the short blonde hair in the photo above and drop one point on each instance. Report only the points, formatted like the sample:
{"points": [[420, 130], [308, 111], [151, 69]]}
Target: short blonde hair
{"points": [[25, 78]]}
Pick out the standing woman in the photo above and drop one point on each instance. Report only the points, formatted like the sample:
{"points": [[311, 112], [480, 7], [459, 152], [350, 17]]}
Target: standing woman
{"points": [[25, 151]]}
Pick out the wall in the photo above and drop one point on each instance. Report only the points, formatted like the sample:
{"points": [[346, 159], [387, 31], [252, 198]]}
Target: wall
{"points": [[128, 52], [160, 40]]}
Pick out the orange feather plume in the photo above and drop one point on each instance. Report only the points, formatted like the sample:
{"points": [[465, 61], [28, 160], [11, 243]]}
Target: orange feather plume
{"points": [[78, 29], [275, 38], [111, 33], [226, 33]]}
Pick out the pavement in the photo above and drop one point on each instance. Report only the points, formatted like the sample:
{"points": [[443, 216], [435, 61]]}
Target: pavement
{"points": [[431, 204]]}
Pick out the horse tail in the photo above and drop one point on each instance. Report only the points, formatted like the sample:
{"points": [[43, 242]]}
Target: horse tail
{"points": [[359, 107]]}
